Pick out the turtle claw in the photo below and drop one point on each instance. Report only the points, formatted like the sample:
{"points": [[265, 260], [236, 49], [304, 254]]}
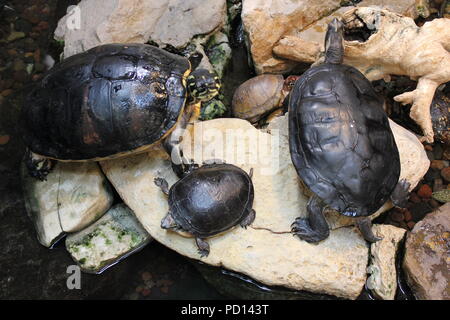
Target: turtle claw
{"points": [[203, 247], [303, 230], [38, 167], [162, 184]]}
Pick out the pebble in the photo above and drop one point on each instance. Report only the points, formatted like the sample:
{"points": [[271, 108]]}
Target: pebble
{"points": [[7, 92], [146, 292], [428, 147], [413, 197], [445, 173], [411, 225], [438, 164], [407, 215], [438, 185], [15, 35], [146, 276], [397, 216], [425, 191], [4, 139]]}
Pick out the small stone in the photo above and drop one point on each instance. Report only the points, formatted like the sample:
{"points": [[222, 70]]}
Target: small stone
{"points": [[428, 147], [425, 191], [397, 216], [139, 289], [165, 290], [446, 153], [12, 52], [413, 197], [146, 292], [442, 196], [407, 215], [15, 35], [438, 185], [4, 139], [445, 173], [438, 164], [146, 276], [7, 92]]}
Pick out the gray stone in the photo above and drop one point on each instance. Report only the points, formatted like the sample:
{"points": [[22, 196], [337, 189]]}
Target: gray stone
{"points": [[427, 262], [382, 267], [112, 238], [173, 22], [74, 195]]}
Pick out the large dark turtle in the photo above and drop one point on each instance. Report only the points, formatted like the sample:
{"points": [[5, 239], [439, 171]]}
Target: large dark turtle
{"points": [[110, 101], [341, 144], [209, 200]]}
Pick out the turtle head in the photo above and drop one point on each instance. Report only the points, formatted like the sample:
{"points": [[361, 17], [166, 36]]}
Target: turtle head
{"points": [[334, 42], [203, 85]]}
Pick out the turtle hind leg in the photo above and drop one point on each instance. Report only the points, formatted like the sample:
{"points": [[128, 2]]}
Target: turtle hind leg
{"points": [[248, 220], [203, 247], [38, 166], [162, 184], [314, 228], [364, 225], [400, 194]]}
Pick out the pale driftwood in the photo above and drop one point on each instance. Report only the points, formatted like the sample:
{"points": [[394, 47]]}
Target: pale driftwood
{"points": [[397, 46]]}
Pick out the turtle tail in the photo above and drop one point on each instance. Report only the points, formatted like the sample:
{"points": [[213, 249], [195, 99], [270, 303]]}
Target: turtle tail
{"points": [[334, 42]]}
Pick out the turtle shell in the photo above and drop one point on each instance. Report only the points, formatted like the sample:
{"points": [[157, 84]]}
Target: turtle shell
{"points": [[340, 140], [111, 99], [211, 199], [257, 96]]}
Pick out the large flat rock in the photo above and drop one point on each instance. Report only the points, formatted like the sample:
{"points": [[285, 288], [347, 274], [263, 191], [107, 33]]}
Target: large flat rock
{"points": [[265, 251], [172, 22]]}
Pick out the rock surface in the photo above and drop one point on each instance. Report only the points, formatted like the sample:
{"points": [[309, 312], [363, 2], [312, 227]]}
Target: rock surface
{"points": [[80, 189], [427, 262], [336, 266], [172, 22], [267, 22], [110, 239], [382, 267]]}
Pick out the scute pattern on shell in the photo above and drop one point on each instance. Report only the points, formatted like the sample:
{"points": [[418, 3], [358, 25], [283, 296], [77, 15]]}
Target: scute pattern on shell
{"points": [[257, 96], [113, 98], [340, 140], [211, 199]]}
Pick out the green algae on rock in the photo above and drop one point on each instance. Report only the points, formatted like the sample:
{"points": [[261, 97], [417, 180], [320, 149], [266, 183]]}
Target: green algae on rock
{"points": [[113, 237]]}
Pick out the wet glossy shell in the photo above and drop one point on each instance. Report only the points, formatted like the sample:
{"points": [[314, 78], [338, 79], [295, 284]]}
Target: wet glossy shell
{"points": [[112, 99], [211, 199], [257, 96], [340, 140]]}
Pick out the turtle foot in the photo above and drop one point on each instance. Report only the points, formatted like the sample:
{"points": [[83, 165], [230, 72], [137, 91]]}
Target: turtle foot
{"points": [[365, 227], [203, 247], [248, 219], [162, 184], [302, 228], [400, 194], [38, 167]]}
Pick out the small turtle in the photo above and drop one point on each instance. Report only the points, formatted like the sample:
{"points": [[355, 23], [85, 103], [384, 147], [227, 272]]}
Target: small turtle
{"points": [[260, 95], [209, 200], [341, 144], [110, 101]]}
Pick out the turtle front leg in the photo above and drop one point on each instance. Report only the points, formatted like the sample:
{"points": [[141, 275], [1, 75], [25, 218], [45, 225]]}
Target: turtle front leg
{"points": [[38, 166], [203, 247], [400, 194], [315, 227], [162, 184], [364, 225], [248, 220], [180, 165]]}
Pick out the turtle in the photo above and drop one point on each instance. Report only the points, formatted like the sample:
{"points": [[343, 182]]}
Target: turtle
{"points": [[341, 144], [260, 95], [209, 200], [111, 101]]}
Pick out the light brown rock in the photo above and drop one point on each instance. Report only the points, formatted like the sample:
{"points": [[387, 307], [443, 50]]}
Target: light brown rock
{"points": [[265, 251], [382, 269], [427, 260], [79, 188], [172, 22], [267, 21]]}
